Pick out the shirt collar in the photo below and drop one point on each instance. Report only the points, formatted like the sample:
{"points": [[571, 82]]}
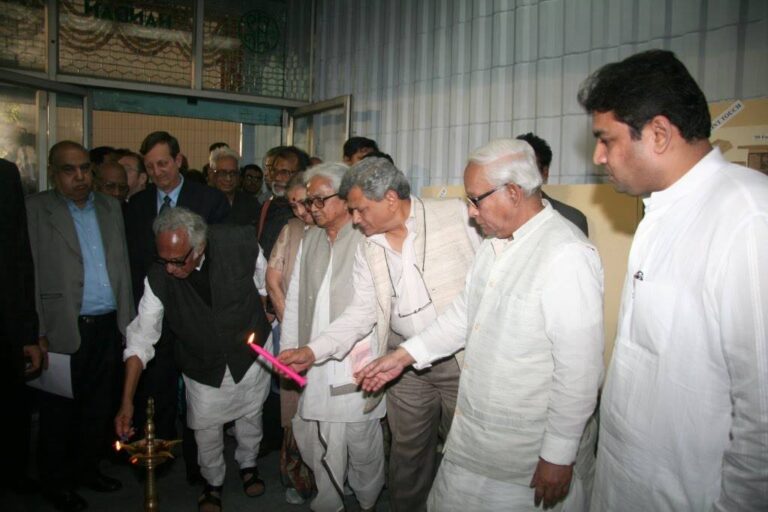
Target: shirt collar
{"points": [[410, 226], [499, 244], [173, 194], [89, 204], [688, 182]]}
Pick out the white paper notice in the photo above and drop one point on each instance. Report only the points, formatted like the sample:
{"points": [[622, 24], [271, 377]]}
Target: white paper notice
{"points": [[57, 379]]}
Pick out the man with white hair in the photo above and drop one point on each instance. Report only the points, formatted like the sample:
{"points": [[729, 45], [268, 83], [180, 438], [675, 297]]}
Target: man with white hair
{"points": [[225, 176], [205, 285], [411, 266], [336, 436], [530, 320]]}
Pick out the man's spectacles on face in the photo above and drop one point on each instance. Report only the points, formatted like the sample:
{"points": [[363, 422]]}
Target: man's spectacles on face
{"points": [[317, 202], [176, 263], [226, 174], [111, 185], [475, 201], [279, 173], [251, 177]]}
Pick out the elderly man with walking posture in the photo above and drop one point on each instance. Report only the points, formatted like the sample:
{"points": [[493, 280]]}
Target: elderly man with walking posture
{"points": [[530, 319], [410, 267]]}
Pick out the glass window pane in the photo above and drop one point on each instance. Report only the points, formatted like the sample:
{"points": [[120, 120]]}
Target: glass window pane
{"points": [[69, 118], [256, 48], [18, 132], [145, 41], [22, 34]]}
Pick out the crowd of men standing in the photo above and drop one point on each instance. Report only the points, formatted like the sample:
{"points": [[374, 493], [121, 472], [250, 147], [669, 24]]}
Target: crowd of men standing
{"points": [[453, 351]]}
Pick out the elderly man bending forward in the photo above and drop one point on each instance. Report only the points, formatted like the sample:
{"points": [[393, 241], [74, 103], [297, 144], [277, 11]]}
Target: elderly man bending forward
{"points": [[530, 319], [206, 284]]}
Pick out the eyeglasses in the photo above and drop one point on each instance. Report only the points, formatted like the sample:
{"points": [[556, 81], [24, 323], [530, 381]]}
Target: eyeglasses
{"points": [[475, 201], [175, 263], [111, 185], [317, 202], [227, 174], [283, 172], [251, 177]]}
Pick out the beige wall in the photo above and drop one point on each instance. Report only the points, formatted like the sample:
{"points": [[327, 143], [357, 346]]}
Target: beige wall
{"points": [[612, 219], [125, 130]]}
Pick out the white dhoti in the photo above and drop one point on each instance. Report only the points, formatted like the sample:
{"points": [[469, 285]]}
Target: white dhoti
{"points": [[209, 408], [459, 490], [334, 451]]}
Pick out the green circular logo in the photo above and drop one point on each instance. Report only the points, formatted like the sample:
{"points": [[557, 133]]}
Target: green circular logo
{"points": [[258, 31]]}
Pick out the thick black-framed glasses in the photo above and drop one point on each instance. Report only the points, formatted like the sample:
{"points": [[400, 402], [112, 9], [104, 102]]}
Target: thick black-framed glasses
{"points": [[175, 263], [475, 201], [317, 202]]}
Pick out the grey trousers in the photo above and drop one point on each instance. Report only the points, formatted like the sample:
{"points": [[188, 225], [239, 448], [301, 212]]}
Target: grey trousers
{"points": [[419, 407]]}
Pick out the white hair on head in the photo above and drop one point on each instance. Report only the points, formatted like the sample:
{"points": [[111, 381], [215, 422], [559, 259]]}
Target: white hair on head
{"points": [[181, 218], [222, 152], [509, 161], [333, 172]]}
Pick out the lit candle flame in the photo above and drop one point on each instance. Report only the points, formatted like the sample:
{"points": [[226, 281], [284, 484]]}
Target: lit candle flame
{"points": [[286, 370], [118, 446]]}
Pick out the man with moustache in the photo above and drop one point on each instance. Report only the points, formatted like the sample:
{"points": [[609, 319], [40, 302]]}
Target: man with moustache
{"points": [[337, 437], [84, 303]]}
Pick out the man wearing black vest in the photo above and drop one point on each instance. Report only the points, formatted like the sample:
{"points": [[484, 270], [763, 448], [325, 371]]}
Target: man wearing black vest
{"points": [[163, 160], [205, 284]]}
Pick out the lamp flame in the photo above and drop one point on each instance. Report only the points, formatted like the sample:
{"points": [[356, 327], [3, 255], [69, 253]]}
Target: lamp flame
{"points": [[118, 446]]}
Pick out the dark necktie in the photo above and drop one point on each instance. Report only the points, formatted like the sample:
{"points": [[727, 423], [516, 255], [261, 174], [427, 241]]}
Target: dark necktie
{"points": [[166, 204]]}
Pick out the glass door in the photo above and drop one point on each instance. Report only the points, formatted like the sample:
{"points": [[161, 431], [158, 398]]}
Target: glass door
{"points": [[34, 115], [321, 128]]}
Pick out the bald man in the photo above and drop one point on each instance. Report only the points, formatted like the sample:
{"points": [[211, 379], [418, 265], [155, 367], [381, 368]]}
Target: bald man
{"points": [[112, 179]]}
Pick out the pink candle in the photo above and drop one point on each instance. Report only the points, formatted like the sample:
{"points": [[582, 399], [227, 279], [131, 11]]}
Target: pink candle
{"points": [[301, 381]]}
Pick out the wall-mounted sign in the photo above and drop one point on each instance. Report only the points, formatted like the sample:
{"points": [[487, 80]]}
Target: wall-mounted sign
{"points": [[126, 13]]}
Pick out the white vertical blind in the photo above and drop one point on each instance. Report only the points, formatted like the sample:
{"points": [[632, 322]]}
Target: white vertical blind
{"points": [[433, 79]]}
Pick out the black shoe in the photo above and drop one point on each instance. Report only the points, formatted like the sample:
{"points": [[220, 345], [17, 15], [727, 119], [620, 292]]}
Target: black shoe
{"points": [[103, 483], [66, 501]]}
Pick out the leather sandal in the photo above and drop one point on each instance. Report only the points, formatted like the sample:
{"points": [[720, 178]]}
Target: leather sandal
{"points": [[210, 500], [252, 485]]}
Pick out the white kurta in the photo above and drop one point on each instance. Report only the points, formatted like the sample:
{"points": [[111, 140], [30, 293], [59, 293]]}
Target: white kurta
{"points": [[530, 318], [316, 402], [684, 413], [207, 406], [335, 436]]}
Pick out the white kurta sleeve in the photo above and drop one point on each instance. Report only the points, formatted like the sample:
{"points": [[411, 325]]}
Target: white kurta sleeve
{"points": [[260, 274], [572, 303], [145, 330], [357, 320], [445, 336], [741, 298], [289, 329]]}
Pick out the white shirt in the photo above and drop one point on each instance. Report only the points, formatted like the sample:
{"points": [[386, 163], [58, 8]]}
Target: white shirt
{"points": [[316, 401], [571, 303], [145, 330], [411, 295], [684, 413]]}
